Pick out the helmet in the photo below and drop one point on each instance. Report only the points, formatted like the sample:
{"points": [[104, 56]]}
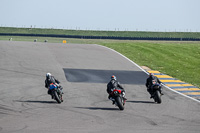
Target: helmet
{"points": [[48, 75], [151, 74], [113, 77]]}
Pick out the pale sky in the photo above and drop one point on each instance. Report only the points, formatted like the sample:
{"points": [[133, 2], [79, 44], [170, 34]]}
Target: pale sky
{"points": [[132, 15]]}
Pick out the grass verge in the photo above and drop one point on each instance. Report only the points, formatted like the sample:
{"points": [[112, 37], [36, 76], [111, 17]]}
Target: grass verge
{"points": [[101, 33], [179, 60]]}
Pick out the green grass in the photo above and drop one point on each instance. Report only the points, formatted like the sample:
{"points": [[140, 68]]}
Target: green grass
{"points": [[180, 60], [101, 33]]}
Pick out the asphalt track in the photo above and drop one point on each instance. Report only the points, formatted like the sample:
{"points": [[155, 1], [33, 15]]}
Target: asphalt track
{"points": [[84, 71]]}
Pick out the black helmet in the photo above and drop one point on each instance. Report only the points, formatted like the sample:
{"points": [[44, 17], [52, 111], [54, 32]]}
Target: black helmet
{"points": [[151, 74]]}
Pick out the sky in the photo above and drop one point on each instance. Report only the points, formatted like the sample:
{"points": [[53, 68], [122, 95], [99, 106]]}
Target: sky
{"points": [[111, 15]]}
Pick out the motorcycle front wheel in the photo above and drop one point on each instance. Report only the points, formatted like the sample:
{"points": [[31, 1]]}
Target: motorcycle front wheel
{"points": [[57, 98], [157, 97]]}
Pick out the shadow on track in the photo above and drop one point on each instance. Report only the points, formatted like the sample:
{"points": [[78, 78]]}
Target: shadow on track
{"points": [[97, 108], [141, 102], [34, 101]]}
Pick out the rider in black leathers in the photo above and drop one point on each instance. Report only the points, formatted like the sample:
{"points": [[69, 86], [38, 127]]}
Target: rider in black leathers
{"points": [[114, 84], [50, 79], [149, 83]]}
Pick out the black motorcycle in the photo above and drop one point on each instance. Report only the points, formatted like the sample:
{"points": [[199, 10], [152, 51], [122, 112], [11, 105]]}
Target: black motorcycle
{"points": [[56, 92], [156, 92]]}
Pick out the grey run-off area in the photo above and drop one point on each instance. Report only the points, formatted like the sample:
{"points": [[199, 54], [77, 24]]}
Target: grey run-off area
{"points": [[84, 71]]}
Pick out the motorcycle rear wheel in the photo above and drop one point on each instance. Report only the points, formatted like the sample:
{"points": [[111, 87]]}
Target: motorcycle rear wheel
{"points": [[119, 103]]}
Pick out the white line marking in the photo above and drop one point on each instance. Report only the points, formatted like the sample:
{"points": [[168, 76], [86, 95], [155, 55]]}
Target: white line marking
{"points": [[148, 73]]}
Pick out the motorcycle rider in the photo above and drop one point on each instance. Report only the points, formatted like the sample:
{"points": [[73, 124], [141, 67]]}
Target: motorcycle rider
{"points": [[149, 83], [50, 79], [112, 85]]}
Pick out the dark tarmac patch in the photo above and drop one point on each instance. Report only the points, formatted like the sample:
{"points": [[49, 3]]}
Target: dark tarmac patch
{"points": [[103, 76]]}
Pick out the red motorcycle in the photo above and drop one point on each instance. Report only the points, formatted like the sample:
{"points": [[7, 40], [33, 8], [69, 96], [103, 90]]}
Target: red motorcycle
{"points": [[118, 98]]}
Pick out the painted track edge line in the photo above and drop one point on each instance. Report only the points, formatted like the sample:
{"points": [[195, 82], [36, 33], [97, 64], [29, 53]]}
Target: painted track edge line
{"points": [[147, 73], [182, 94]]}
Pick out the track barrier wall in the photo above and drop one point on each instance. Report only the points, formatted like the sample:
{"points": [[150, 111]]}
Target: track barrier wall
{"points": [[102, 37]]}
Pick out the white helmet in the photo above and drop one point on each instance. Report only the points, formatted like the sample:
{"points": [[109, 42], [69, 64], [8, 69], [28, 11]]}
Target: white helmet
{"points": [[48, 74]]}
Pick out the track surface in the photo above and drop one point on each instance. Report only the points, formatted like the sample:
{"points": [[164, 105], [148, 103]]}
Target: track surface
{"points": [[25, 106]]}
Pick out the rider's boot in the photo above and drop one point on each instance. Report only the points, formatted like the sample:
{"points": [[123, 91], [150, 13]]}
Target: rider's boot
{"points": [[123, 95], [61, 99], [50, 93], [113, 100], [110, 98], [161, 91], [151, 95], [149, 90], [61, 91]]}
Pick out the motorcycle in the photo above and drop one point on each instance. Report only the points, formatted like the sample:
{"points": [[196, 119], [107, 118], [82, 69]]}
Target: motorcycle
{"points": [[156, 89], [118, 98], [56, 92]]}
